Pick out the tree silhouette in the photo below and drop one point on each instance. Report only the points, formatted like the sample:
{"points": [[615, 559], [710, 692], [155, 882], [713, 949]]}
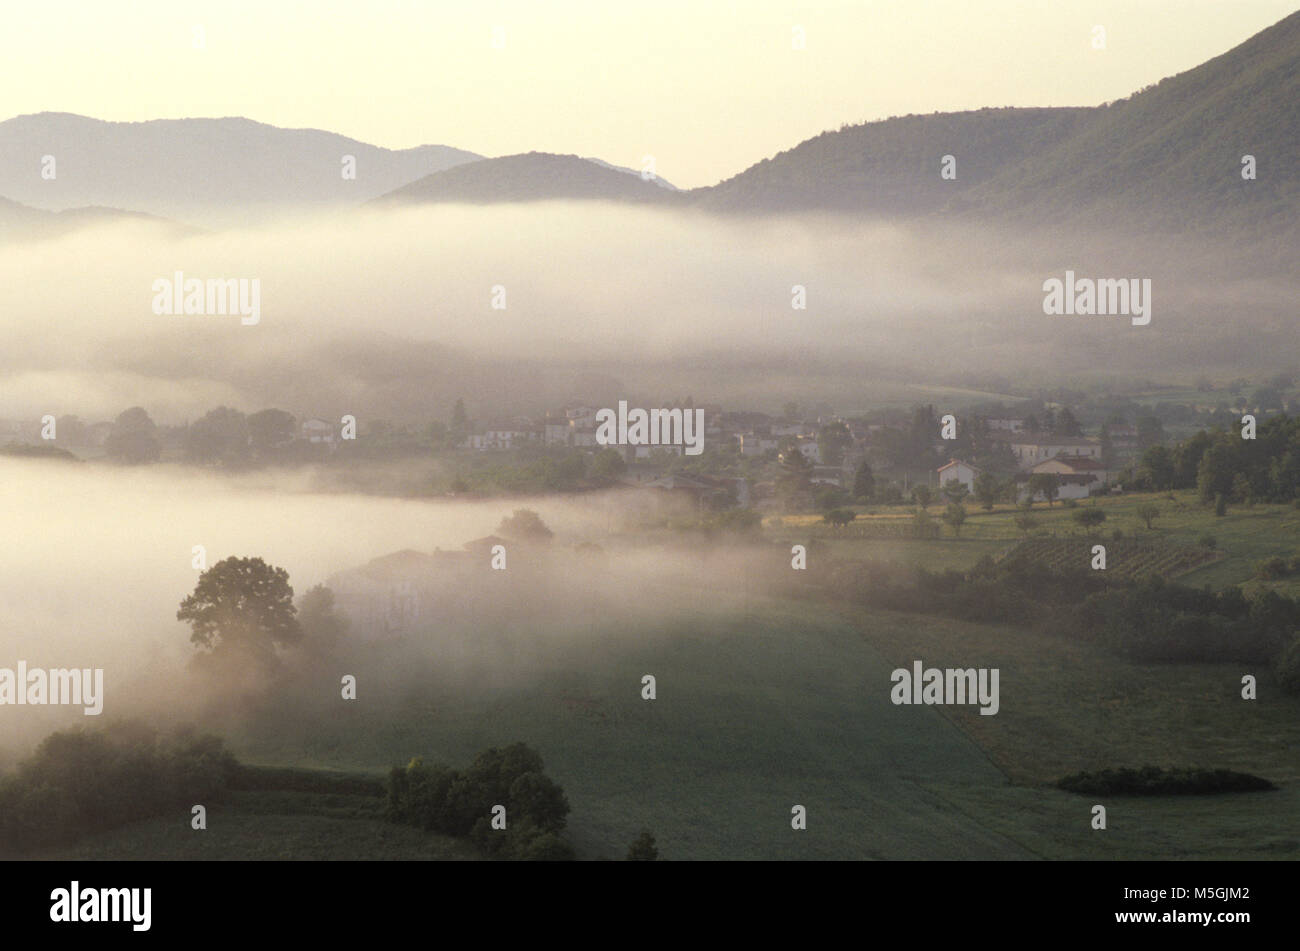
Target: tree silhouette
{"points": [[242, 605], [133, 438], [526, 525]]}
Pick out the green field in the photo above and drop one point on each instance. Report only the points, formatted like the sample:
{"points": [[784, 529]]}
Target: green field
{"points": [[779, 704], [764, 704], [1243, 537], [271, 826]]}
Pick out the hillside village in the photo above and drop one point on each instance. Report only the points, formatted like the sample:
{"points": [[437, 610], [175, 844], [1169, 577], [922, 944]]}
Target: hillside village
{"points": [[797, 460]]}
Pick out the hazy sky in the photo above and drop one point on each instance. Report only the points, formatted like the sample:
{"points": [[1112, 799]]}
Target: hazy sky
{"points": [[707, 88]]}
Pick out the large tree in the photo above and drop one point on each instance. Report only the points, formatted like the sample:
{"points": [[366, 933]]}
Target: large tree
{"points": [[323, 625], [133, 438], [525, 525], [1046, 483], [270, 430], [220, 436], [1067, 425], [242, 605], [1217, 469], [1158, 468], [864, 484], [987, 490]]}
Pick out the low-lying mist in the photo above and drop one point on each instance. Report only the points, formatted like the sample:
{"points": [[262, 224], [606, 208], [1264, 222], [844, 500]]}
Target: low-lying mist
{"points": [[100, 557], [389, 313]]}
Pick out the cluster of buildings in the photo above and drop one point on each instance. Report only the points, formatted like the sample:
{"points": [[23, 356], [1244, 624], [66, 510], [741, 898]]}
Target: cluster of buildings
{"points": [[752, 433], [1081, 465], [1076, 461]]}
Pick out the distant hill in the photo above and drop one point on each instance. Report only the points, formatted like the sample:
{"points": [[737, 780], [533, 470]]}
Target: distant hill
{"points": [[1166, 159], [534, 176], [892, 167], [204, 171], [1170, 155], [658, 179], [22, 222]]}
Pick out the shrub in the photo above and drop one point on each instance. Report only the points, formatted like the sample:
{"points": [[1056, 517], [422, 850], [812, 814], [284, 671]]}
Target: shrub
{"points": [[1155, 781], [525, 525], [839, 517], [1148, 512], [78, 782], [1089, 517], [1272, 569], [454, 802]]}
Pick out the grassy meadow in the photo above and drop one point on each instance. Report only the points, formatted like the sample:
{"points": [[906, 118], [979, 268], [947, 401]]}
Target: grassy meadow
{"points": [[763, 707], [763, 704], [1243, 537]]}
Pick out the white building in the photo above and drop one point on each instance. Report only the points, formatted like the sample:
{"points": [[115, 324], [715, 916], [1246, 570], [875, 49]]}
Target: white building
{"points": [[1031, 450], [318, 431], [1075, 465], [1067, 486], [958, 471], [1005, 424]]}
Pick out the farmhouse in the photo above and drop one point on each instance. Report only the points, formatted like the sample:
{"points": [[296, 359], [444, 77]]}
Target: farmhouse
{"points": [[318, 431], [1075, 466], [1005, 424], [1068, 486], [503, 434], [827, 475], [958, 471], [1032, 449]]}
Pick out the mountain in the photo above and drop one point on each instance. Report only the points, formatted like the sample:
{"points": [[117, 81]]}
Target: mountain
{"points": [[21, 221], [658, 180], [534, 176], [892, 167], [1167, 158], [207, 171], [1170, 156]]}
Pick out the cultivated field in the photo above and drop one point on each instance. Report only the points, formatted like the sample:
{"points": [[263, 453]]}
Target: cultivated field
{"points": [[767, 705], [1242, 538]]}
